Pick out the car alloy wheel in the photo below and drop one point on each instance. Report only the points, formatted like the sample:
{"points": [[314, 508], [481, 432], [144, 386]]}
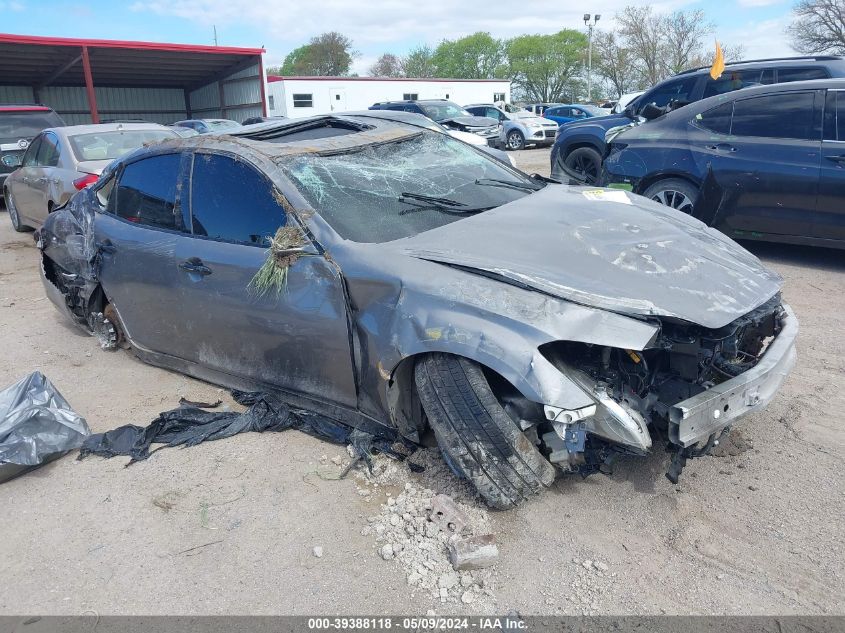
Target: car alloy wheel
{"points": [[675, 199], [586, 162], [515, 140]]}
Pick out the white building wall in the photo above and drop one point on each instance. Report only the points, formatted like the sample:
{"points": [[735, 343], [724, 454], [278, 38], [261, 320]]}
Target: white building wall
{"points": [[342, 94]]}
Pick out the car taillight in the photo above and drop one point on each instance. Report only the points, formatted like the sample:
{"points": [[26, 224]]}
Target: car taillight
{"points": [[84, 181]]}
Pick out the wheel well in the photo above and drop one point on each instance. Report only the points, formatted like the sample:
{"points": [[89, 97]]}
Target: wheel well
{"points": [[647, 182], [578, 145], [406, 409]]}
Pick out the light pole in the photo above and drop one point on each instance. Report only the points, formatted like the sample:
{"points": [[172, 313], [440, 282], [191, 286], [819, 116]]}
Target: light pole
{"points": [[589, 26]]}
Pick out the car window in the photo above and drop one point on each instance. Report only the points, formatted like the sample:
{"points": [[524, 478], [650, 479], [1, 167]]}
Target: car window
{"points": [[716, 119], [834, 116], [801, 74], [48, 152], [232, 201], [679, 90], [735, 79], [29, 158], [26, 124], [112, 144], [146, 192], [442, 110], [781, 115]]}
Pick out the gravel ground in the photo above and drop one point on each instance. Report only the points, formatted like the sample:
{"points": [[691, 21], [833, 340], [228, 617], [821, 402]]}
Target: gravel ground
{"points": [[231, 527]]}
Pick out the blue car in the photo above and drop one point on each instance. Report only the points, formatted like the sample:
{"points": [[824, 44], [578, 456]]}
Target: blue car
{"points": [[567, 113], [580, 146]]}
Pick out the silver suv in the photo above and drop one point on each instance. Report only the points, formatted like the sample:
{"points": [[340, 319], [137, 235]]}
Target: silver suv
{"points": [[519, 127]]}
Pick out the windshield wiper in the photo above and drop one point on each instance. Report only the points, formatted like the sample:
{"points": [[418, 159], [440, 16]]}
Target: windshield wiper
{"points": [[434, 200], [510, 184]]}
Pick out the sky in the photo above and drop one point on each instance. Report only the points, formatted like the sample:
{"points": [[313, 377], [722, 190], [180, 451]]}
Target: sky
{"points": [[375, 27]]}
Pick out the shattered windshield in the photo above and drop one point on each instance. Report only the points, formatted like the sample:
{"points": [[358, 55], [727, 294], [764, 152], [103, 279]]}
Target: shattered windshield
{"points": [[387, 191]]}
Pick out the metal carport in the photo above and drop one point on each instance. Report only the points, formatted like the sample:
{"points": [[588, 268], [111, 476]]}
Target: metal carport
{"points": [[87, 81]]}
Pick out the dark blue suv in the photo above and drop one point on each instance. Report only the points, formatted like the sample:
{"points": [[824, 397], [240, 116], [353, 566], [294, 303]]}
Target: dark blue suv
{"points": [[580, 146], [763, 163]]}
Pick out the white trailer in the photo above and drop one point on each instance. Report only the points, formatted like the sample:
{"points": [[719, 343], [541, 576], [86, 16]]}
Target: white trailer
{"points": [[306, 96]]}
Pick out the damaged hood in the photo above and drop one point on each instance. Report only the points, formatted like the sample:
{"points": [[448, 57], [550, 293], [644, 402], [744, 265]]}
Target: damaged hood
{"points": [[469, 121], [607, 249]]}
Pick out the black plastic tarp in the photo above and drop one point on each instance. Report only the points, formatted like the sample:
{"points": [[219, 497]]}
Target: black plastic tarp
{"points": [[37, 425], [189, 425]]}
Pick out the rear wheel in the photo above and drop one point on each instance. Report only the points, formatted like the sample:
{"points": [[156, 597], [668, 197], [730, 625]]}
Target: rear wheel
{"points": [[515, 140], [479, 439], [586, 162], [13, 213], [673, 192]]}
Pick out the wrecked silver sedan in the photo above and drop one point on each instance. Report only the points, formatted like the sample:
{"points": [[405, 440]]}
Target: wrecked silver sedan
{"points": [[396, 279]]}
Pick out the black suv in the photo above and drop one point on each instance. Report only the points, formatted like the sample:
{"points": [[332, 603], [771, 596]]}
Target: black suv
{"points": [[449, 115], [19, 124], [580, 145]]}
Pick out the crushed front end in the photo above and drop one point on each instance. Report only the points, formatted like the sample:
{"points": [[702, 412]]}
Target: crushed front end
{"points": [[686, 388]]}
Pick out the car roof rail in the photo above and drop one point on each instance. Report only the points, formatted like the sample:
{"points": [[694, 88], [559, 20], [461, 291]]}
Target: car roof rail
{"points": [[813, 58]]}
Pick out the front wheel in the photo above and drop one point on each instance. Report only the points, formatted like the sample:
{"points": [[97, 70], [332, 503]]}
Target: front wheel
{"points": [[515, 140], [673, 192], [479, 438], [586, 162], [13, 213]]}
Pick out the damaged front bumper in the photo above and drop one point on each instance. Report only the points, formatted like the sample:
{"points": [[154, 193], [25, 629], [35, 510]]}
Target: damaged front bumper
{"points": [[699, 417]]}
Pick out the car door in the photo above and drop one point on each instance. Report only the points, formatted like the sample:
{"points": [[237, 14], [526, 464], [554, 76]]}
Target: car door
{"points": [[21, 186], [294, 336], [768, 165], [44, 176], [830, 203], [558, 115], [137, 233]]}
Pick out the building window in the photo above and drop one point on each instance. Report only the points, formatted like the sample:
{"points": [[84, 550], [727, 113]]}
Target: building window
{"points": [[410, 96], [271, 102], [498, 96], [303, 101]]}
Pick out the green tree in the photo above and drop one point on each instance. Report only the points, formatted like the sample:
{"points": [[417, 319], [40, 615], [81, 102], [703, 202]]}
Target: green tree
{"points": [[546, 67], [388, 65], [419, 62], [326, 55], [476, 56]]}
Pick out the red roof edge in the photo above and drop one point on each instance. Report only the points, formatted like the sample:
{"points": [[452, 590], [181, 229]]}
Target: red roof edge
{"points": [[274, 78], [37, 40], [23, 108]]}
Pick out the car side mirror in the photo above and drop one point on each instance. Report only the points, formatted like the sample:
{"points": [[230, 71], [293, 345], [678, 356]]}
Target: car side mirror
{"points": [[12, 160], [651, 111]]}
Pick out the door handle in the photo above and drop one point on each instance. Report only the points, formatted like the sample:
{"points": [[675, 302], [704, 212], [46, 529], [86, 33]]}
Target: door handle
{"points": [[195, 265], [837, 159], [42, 179], [106, 247], [722, 147]]}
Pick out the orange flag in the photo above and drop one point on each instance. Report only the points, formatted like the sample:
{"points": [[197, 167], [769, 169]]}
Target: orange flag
{"points": [[718, 66]]}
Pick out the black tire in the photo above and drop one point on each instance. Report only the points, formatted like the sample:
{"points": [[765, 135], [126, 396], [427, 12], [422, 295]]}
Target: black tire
{"points": [[515, 140], [673, 192], [479, 437], [13, 213], [586, 162]]}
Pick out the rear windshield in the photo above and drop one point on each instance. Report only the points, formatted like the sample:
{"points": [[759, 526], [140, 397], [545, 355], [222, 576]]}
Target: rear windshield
{"points": [[18, 125], [358, 193], [114, 144]]}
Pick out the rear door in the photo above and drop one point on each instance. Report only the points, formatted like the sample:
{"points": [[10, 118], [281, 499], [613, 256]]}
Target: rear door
{"points": [[830, 204], [20, 185], [138, 233], [294, 335], [768, 165]]}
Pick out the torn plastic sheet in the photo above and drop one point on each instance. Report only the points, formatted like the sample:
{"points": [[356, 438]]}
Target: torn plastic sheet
{"points": [[190, 425], [37, 425]]}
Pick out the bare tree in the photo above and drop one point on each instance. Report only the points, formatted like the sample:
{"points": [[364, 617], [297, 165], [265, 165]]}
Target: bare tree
{"points": [[642, 32], [615, 63], [684, 33], [818, 27], [388, 65]]}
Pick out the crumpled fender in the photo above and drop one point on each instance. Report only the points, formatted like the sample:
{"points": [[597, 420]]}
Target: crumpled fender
{"points": [[493, 323]]}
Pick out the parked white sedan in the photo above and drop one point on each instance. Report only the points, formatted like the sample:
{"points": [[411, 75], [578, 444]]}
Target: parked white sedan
{"points": [[61, 161]]}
